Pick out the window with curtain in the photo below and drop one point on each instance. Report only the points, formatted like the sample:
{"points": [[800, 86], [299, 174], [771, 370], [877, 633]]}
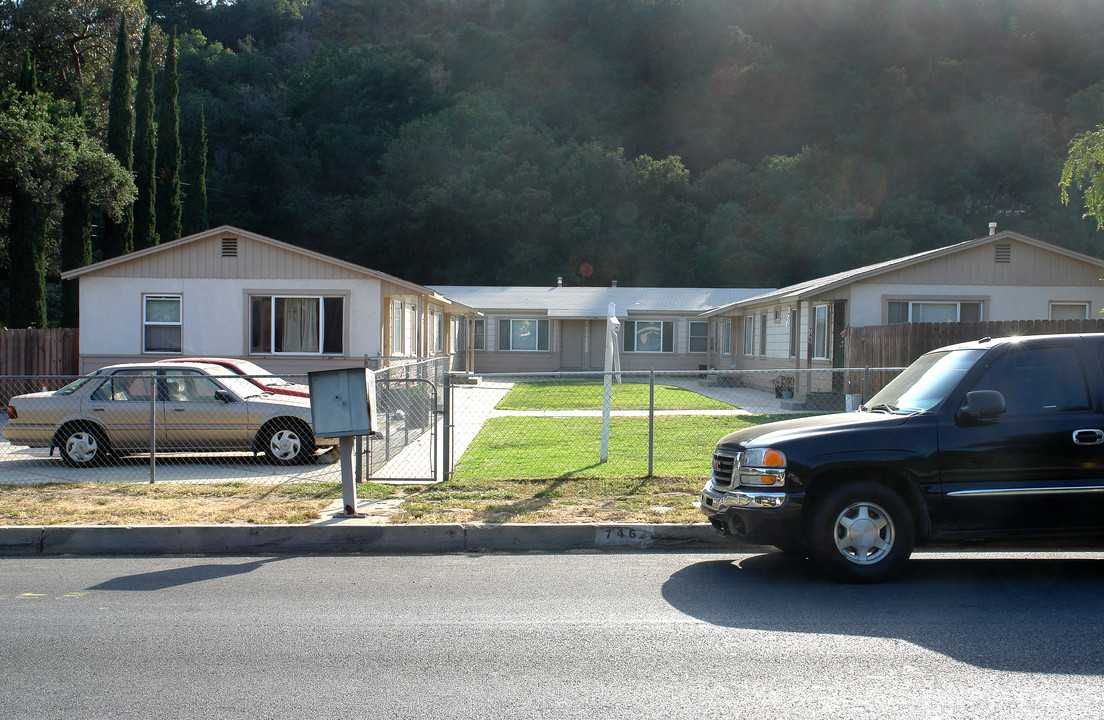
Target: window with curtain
{"points": [[749, 335], [648, 336], [161, 324], [296, 324]]}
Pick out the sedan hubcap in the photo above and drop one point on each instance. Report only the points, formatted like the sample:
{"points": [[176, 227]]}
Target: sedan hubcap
{"points": [[285, 445], [864, 533], [81, 447]]}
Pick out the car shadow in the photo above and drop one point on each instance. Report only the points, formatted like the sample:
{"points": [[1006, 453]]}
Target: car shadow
{"points": [[1010, 614], [164, 579]]}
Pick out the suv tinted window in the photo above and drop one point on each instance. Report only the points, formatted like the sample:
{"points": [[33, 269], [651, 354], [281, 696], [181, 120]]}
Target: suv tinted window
{"points": [[1038, 380]]}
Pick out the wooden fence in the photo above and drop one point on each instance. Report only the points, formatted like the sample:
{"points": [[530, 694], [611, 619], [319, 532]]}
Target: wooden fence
{"points": [[39, 352], [880, 346]]}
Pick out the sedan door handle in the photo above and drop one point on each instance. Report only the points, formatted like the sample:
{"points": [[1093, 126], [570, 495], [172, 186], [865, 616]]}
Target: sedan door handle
{"points": [[1088, 436]]}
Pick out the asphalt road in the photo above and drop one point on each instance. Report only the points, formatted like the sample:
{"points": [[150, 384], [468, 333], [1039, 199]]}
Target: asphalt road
{"points": [[588, 635]]}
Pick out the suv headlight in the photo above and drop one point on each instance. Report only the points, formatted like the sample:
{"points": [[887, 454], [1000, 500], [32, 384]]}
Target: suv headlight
{"points": [[762, 467]]}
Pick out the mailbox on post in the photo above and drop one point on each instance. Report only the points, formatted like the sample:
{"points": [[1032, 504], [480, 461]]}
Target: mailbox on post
{"points": [[343, 405]]}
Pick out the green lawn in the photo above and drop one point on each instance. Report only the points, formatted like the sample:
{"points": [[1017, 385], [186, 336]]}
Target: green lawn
{"points": [[547, 447], [587, 395]]}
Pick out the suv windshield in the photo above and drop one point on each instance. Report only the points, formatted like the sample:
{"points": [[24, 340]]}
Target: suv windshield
{"points": [[925, 383]]}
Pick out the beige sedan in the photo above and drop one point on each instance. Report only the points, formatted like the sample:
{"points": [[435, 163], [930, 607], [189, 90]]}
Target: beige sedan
{"points": [[196, 407]]}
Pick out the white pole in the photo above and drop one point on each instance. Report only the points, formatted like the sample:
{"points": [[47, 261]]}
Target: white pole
{"points": [[612, 326]]}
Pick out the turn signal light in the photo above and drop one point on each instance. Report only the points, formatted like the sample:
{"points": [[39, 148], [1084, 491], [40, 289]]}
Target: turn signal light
{"points": [[773, 458]]}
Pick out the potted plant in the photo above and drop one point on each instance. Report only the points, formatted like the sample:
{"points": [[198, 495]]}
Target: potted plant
{"points": [[783, 386]]}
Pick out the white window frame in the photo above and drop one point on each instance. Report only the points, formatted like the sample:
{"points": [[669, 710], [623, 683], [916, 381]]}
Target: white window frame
{"points": [[912, 306], [506, 342], [749, 335], [149, 324], [1070, 305], [666, 344], [437, 327], [820, 332], [270, 331], [724, 332], [398, 337], [700, 336]]}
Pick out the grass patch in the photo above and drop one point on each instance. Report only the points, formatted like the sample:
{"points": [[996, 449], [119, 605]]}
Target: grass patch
{"points": [[637, 500], [584, 395], [549, 447]]}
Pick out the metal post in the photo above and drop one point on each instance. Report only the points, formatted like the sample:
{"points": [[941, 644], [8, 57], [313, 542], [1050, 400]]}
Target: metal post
{"points": [[651, 419], [348, 487], [866, 384], [153, 428], [446, 454]]}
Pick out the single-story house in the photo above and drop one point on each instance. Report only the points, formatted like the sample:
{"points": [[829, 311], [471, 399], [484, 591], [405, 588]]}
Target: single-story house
{"points": [[231, 293], [558, 328], [1002, 276]]}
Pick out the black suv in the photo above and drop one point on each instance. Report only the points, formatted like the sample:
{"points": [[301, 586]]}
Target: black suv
{"points": [[991, 440]]}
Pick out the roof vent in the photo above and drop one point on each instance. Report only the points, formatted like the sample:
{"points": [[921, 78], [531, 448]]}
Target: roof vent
{"points": [[614, 284], [559, 281], [229, 247], [1002, 253]]}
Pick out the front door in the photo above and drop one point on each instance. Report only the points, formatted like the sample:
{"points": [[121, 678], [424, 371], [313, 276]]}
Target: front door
{"points": [[573, 344]]}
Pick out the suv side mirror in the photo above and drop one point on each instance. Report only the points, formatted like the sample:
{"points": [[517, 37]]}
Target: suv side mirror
{"points": [[980, 405]]}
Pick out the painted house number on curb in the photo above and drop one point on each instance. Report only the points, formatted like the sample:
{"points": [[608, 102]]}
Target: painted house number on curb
{"points": [[631, 535]]}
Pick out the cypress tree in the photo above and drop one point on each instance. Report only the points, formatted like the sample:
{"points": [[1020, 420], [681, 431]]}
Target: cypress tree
{"points": [[119, 235], [76, 241], [145, 228], [168, 150], [195, 176], [27, 239]]}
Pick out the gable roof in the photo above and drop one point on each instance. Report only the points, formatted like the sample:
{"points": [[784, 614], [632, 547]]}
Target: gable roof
{"points": [[817, 286], [231, 231], [593, 302]]}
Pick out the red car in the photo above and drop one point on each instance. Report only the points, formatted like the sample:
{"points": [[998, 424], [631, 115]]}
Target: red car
{"points": [[254, 373]]}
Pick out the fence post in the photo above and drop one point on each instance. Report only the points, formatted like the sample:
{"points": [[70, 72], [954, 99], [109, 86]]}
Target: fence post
{"points": [[446, 418], [651, 420], [865, 384], [153, 428]]}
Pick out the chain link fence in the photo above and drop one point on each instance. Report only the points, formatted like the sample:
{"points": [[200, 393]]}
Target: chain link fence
{"points": [[430, 423], [554, 425], [206, 429]]}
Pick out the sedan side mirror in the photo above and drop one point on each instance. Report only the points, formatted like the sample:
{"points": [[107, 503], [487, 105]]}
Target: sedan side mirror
{"points": [[224, 396], [980, 405]]}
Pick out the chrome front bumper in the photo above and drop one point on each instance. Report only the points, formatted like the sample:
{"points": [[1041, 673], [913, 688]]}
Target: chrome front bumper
{"points": [[717, 502]]}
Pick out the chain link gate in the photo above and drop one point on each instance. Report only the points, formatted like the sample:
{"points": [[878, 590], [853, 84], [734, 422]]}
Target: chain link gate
{"points": [[404, 449]]}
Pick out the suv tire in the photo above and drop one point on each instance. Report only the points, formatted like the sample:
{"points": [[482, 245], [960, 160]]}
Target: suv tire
{"points": [[861, 531]]}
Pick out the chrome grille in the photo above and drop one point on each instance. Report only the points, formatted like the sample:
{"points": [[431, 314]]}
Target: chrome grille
{"points": [[724, 465]]}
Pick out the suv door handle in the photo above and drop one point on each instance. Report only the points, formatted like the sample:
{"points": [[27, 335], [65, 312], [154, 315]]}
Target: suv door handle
{"points": [[1089, 436]]}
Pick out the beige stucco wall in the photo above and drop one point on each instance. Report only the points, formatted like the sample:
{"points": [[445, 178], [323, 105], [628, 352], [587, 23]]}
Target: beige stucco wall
{"points": [[214, 318]]}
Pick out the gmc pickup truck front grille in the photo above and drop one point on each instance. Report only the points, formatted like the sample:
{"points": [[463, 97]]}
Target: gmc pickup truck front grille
{"points": [[723, 466]]}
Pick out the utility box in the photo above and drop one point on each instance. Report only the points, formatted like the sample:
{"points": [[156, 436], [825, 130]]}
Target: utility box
{"points": [[343, 402]]}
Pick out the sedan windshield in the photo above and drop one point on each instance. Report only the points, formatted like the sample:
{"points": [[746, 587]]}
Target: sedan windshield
{"points": [[925, 383]]}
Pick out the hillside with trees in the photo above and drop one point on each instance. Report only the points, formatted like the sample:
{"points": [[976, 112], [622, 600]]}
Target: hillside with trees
{"points": [[652, 142]]}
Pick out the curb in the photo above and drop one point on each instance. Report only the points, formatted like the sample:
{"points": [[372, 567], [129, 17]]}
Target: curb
{"points": [[367, 539]]}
